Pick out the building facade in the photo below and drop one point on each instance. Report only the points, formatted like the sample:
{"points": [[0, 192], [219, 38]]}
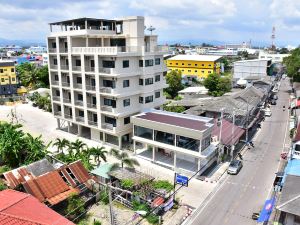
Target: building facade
{"points": [[199, 66], [175, 140], [276, 58], [101, 73], [8, 79]]}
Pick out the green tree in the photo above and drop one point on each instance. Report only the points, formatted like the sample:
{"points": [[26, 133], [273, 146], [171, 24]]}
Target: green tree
{"points": [[43, 77], [36, 150], [173, 108], [217, 85], [75, 206], [124, 159], [284, 51], [292, 64], [77, 147], [98, 153], [61, 144], [173, 79]]}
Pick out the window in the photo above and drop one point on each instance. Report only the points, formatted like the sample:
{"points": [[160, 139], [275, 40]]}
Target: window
{"points": [[148, 81], [202, 71], [182, 64], [196, 71], [13, 79], [81, 113], [109, 83], [170, 63], [77, 62], [177, 64], [125, 63], [202, 64], [2, 79], [157, 94], [80, 97], [141, 100], [110, 121], [143, 132], [157, 61], [157, 78], [108, 64], [148, 62], [57, 93], [127, 120], [1, 70], [209, 65], [12, 70], [164, 137], [189, 64], [110, 102], [59, 108], [79, 80], [187, 143], [196, 64], [125, 83], [53, 45], [141, 63], [56, 77], [189, 71], [149, 99], [141, 81], [126, 102], [209, 71], [55, 61]]}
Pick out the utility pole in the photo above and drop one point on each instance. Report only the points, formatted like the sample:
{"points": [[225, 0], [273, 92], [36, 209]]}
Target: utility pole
{"points": [[111, 212], [232, 133], [220, 133], [247, 120]]}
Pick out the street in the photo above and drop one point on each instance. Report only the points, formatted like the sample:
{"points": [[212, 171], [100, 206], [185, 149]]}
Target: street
{"points": [[238, 196]]}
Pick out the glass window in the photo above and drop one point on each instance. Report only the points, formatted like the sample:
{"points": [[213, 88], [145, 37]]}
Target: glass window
{"points": [[13, 79], [205, 143], [109, 83], [2, 79], [12, 70], [125, 63], [157, 94], [164, 137], [55, 61], [157, 78], [149, 99], [141, 81], [81, 113], [110, 102], [126, 102], [80, 97], [53, 44], [148, 62], [157, 61], [143, 132], [188, 143], [110, 120], [56, 77], [141, 100], [78, 62], [148, 81], [79, 80], [1, 70], [111, 139], [108, 64], [125, 83], [57, 93], [141, 63], [127, 120]]}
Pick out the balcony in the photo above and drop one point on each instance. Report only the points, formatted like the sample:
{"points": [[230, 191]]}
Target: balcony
{"points": [[64, 67], [56, 98], [66, 100], [95, 50], [52, 50], [90, 87], [79, 118], [76, 68], [91, 105], [106, 70], [55, 83], [93, 123], [57, 113], [63, 50], [68, 116], [108, 126], [53, 67], [106, 90], [79, 103], [90, 69], [78, 86], [65, 84], [107, 109]]}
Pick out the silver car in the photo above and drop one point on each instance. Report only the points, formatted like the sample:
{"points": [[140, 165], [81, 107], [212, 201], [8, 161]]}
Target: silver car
{"points": [[235, 166]]}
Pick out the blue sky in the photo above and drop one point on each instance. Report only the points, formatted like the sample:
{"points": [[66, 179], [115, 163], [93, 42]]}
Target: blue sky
{"points": [[230, 21]]}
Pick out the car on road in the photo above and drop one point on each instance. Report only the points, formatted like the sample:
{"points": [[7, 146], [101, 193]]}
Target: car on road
{"points": [[234, 167], [273, 102], [268, 112], [275, 97]]}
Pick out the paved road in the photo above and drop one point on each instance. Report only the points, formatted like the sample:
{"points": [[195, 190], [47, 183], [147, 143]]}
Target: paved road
{"points": [[239, 196]]}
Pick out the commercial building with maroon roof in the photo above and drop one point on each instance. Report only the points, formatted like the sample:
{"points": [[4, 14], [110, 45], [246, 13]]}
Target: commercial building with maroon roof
{"points": [[175, 140], [21, 208]]}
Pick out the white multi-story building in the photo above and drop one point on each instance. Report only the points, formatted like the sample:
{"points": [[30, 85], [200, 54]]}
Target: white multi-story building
{"points": [[101, 73], [276, 58]]}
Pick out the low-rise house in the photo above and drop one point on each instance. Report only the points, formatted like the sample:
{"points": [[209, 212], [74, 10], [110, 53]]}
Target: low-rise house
{"points": [[194, 92], [21, 208], [179, 141]]}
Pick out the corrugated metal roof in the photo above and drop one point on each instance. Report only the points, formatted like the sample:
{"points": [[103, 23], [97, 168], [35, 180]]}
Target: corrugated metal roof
{"points": [[102, 170], [79, 171]]}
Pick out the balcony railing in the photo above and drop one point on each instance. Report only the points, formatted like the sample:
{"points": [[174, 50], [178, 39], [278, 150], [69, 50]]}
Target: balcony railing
{"points": [[89, 69], [106, 90], [93, 123], [90, 87], [52, 50], [80, 118], [55, 82], [67, 100], [63, 50], [57, 113], [56, 98], [76, 68], [53, 67], [108, 126], [78, 86], [107, 108], [79, 103], [64, 67], [91, 105], [65, 84], [106, 70], [68, 116]]}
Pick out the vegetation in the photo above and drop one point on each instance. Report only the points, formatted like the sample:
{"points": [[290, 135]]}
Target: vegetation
{"points": [[163, 184], [173, 108], [75, 206], [292, 63], [127, 184], [150, 217], [104, 197], [153, 219], [97, 222], [61, 144], [33, 77], [173, 79], [124, 159], [43, 102], [217, 85], [18, 148]]}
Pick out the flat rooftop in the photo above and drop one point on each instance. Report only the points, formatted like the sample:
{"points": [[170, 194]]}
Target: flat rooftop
{"points": [[80, 21], [177, 119], [208, 58]]}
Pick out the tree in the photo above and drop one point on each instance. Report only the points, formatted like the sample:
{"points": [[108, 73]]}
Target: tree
{"points": [[174, 79], [284, 51], [124, 159], [77, 146], [36, 150], [98, 153], [217, 85], [173, 108], [292, 64], [43, 77], [61, 144], [75, 206]]}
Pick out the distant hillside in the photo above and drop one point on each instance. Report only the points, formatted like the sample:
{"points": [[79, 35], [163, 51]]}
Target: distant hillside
{"points": [[22, 43]]}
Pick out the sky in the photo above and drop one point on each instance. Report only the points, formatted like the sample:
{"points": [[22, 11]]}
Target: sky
{"points": [[228, 21]]}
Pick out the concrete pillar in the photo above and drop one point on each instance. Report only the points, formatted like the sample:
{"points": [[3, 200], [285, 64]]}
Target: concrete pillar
{"points": [[290, 218], [79, 134], [175, 160], [153, 153], [134, 147], [69, 127], [199, 164], [120, 142], [58, 123]]}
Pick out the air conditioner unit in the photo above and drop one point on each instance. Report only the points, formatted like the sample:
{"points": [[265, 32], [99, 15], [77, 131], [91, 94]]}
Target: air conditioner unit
{"points": [[214, 139]]}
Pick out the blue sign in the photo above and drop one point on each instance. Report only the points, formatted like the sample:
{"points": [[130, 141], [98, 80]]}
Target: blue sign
{"points": [[266, 211], [183, 180]]}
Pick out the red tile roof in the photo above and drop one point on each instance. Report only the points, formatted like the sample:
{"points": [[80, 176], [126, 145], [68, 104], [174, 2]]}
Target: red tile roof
{"points": [[175, 120], [20, 208]]}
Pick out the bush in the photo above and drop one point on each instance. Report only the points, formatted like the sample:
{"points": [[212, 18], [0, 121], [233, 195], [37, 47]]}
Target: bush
{"points": [[127, 183], [137, 206], [75, 206], [97, 222], [163, 184], [153, 219], [2, 186], [104, 198]]}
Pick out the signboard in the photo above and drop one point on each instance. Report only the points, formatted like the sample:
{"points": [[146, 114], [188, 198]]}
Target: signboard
{"points": [[169, 204], [180, 179]]}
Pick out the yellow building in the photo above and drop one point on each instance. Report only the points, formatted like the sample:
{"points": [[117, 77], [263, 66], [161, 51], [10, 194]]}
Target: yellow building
{"points": [[195, 65], [8, 79]]}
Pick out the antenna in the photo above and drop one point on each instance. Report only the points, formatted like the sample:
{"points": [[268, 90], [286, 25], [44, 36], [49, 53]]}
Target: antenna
{"points": [[273, 38], [151, 28]]}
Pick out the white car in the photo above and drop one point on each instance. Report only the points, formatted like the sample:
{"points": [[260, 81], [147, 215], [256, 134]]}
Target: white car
{"points": [[268, 112]]}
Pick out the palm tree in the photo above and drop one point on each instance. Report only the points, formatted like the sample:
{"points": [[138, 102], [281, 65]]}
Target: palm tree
{"points": [[124, 159], [98, 153], [36, 150], [61, 144], [77, 146], [30, 75]]}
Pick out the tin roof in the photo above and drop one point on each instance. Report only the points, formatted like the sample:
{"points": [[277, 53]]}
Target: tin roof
{"points": [[207, 58], [102, 170], [20, 208]]}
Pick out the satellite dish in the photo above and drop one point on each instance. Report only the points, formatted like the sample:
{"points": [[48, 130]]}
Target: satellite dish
{"points": [[151, 28]]}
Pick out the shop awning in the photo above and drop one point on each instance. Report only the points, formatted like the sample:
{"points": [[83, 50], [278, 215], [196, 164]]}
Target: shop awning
{"points": [[266, 211]]}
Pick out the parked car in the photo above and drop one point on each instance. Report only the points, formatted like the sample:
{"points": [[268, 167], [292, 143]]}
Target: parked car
{"points": [[273, 102], [235, 166], [268, 112], [275, 97]]}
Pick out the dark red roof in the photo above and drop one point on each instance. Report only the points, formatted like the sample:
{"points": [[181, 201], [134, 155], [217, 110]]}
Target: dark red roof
{"points": [[20, 208], [231, 134], [174, 120]]}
